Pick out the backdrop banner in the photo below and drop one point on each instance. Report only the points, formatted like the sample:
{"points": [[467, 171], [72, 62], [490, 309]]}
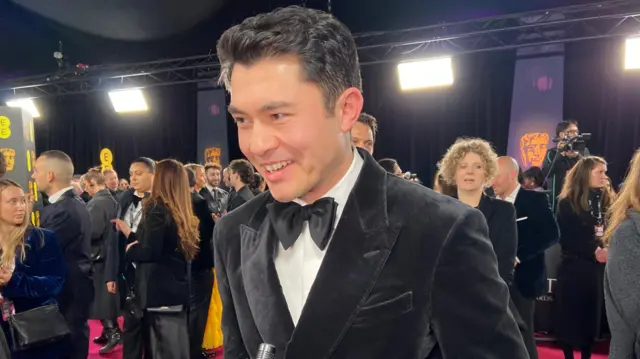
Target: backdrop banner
{"points": [[17, 143], [536, 109], [213, 146]]}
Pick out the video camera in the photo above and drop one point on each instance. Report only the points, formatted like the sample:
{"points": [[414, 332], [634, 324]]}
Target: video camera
{"points": [[574, 143]]}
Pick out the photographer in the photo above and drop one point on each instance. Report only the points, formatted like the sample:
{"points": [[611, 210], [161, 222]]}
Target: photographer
{"points": [[558, 161]]}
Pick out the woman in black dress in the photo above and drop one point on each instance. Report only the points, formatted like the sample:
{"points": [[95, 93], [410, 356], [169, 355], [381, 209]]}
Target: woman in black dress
{"points": [[582, 206], [166, 242]]}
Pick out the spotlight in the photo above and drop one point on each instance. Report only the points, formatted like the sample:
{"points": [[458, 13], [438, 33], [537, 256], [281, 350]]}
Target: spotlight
{"points": [[425, 73], [632, 54], [131, 100], [25, 103]]}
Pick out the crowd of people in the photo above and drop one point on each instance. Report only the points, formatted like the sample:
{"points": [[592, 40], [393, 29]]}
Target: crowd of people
{"points": [[319, 250]]}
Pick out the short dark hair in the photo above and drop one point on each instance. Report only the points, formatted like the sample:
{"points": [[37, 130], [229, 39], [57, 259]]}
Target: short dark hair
{"points": [[563, 125], [191, 176], [148, 162], [536, 174], [370, 121], [389, 164], [209, 166], [244, 169], [66, 173], [325, 47]]}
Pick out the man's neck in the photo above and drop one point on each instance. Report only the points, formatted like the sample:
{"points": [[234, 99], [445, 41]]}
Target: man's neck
{"points": [[55, 188], [340, 171], [238, 186], [471, 198], [508, 191]]}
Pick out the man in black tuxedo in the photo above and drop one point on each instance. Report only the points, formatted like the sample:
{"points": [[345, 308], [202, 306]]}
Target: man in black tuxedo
{"points": [[340, 259], [67, 216], [537, 231]]}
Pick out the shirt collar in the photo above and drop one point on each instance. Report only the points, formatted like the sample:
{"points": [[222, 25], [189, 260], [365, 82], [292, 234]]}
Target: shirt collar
{"points": [[56, 196], [340, 192], [512, 197], [211, 188]]}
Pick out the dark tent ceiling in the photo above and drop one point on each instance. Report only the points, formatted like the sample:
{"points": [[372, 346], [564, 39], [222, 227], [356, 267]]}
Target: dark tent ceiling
{"points": [[116, 31]]}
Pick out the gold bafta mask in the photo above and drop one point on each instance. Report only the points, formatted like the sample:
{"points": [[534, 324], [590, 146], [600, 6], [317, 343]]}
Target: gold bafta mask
{"points": [[212, 155], [533, 147], [10, 157]]}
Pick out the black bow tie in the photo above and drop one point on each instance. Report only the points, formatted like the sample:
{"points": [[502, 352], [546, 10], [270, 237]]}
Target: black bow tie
{"points": [[287, 220]]}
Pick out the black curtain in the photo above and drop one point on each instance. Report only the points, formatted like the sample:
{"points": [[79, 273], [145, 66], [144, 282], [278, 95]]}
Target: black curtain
{"points": [[81, 125], [416, 128], [605, 100]]}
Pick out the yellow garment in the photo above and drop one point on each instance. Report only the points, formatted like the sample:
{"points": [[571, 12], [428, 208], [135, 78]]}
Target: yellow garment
{"points": [[213, 331]]}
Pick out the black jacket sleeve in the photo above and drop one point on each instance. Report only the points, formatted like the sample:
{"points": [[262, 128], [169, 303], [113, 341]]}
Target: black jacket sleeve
{"points": [[469, 299], [544, 228]]}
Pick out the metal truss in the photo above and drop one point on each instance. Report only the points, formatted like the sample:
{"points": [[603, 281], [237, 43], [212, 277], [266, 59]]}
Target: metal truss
{"points": [[112, 77], [555, 26]]}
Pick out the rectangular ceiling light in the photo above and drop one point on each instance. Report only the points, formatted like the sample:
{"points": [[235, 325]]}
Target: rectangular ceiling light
{"points": [[632, 54], [425, 73], [27, 104], [131, 100]]}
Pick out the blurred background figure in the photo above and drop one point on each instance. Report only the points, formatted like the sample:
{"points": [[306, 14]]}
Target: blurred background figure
{"points": [[582, 206], [621, 286], [103, 208], [123, 185]]}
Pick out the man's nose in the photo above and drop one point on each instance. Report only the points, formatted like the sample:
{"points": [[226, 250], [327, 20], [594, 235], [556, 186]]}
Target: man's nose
{"points": [[262, 139]]}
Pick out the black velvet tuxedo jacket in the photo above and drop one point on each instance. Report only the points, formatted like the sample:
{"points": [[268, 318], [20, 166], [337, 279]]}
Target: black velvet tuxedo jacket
{"points": [[537, 231], [409, 274]]}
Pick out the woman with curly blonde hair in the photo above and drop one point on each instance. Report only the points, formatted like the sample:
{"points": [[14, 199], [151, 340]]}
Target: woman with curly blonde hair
{"points": [[469, 165]]}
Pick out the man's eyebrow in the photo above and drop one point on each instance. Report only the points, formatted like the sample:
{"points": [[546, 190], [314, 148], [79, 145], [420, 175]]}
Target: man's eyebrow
{"points": [[265, 108], [234, 111]]}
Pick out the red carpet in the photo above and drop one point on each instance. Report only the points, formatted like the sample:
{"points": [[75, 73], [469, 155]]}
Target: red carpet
{"points": [[546, 350]]}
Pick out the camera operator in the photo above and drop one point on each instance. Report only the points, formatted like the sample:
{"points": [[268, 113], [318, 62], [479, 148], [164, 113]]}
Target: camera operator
{"points": [[559, 160]]}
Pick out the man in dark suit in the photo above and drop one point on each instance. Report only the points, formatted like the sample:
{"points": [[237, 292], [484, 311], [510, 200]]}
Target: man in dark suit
{"points": [[201, 271], [103, 209], [240, 177], [537, 231], [215, 196], [67, 216], [340, 259]]}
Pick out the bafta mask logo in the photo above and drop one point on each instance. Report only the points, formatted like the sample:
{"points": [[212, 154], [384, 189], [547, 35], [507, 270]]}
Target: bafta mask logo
{"points": [[10, 157], [212, 155], [5, 127], [533, 147]]}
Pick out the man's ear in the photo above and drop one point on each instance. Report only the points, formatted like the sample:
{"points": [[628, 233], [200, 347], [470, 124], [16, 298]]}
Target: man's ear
{"points": [[349, 106]]}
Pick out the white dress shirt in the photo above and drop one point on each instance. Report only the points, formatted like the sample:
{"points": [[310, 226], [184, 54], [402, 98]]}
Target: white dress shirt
{"points": [[56, 196], [512, 197], [298, 266]]}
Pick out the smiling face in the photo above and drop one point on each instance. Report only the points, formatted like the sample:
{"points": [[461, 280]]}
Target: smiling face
{"points": [[285, 130], [470, 174]]}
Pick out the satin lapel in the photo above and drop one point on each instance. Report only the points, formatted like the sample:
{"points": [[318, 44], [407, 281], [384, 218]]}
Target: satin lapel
{"points": [[360, 246], [262, 285]]}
